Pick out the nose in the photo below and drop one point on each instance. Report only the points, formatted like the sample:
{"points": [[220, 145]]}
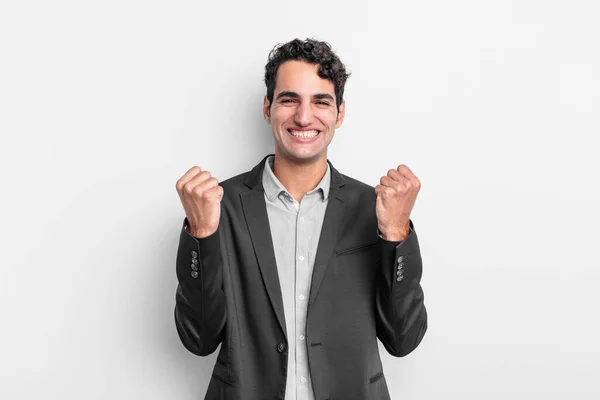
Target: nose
{"points": [[303, 114]]}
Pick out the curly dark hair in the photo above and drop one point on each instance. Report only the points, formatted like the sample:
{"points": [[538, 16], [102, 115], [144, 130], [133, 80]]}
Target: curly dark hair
{"points": [[311, 51]]}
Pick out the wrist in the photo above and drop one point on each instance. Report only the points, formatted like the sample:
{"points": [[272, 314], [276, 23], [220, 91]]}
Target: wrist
{"points": [[396, 237], [397, 234], [199, 233]]}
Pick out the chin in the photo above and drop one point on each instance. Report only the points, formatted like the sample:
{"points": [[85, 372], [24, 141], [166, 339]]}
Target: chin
{"points": [[302, 156]]}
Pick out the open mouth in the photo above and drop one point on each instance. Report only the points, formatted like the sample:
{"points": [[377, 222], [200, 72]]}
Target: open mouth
{"points": [[303, 134]]}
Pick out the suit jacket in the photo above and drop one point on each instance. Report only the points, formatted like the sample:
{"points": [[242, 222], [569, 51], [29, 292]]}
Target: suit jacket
{"points": [[229, 294]]}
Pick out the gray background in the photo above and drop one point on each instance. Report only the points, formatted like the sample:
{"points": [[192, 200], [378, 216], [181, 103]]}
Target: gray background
{"points": [[494, 105]]}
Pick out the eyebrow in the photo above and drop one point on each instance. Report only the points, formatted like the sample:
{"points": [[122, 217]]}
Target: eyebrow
{"points": [[318, 96], [287, 93], [323, 96]]}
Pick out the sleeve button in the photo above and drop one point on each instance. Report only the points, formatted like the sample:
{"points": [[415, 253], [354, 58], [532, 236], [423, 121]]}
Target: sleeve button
{"points": [[194, 274], [281, 347]]}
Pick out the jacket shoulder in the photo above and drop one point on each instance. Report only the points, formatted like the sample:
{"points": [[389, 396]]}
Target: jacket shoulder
{"points": [[235, 182], [361, 189], [232, 187]]}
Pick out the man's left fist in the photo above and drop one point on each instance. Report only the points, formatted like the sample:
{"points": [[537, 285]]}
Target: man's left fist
{"points": [[396, 196]]}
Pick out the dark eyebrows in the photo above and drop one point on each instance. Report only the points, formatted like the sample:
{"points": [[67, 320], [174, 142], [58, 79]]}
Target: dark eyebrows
{"points": [[323, 96], [287, 93], [294, 95]]}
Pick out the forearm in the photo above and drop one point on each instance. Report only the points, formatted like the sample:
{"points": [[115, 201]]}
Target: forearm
{"points": [[401, 313], [200, 307]]}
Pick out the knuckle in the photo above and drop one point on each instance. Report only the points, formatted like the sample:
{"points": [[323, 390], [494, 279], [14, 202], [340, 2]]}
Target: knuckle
{"points": [[206, 195], [208, 177], [201, 175], [196, 191], [188, 188]]}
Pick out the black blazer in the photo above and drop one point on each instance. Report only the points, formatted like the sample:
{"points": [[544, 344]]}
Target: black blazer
{"points": [[229, 293]]}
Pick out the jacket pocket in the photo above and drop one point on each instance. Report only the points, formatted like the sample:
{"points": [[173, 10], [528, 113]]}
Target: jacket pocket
{"points": [[221, 361], [362, 246], [223, 380], [376, 377], [221, 372]]}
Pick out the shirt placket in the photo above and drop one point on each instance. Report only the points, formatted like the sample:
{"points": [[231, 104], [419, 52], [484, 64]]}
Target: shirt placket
{"points": [[301, 290]]}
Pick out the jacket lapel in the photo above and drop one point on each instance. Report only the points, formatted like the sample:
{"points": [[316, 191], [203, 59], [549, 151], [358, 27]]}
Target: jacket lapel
{"points": [[255, 213], [332, 222]]}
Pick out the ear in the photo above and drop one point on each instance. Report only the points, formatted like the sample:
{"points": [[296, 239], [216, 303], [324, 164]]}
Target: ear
{"points": [[267, 110], [341, 114]]}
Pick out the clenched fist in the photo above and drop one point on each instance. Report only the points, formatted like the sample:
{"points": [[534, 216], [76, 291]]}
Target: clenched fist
{"points": [[396, 196], [201, 196]]}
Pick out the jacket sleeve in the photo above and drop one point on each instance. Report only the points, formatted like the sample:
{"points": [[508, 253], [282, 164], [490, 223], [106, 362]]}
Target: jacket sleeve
{"points": [[400, 308], [200, 307]]}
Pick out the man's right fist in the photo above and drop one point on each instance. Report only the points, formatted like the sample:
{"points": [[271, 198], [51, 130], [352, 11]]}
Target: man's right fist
{"points": [[201, 196]]}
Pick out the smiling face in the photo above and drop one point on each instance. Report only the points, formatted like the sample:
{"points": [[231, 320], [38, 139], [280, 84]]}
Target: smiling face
{"points": [[303, 114]]}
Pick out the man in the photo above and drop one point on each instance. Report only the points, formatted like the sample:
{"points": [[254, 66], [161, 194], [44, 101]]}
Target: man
{"points": [[294, 268]]}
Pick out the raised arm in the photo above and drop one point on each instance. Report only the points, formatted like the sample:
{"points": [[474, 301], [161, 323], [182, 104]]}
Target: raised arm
{"points": [[200, 307], [401, 313]]}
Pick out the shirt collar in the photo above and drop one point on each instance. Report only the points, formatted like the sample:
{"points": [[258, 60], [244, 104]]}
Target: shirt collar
{"points": [[273, 187]]}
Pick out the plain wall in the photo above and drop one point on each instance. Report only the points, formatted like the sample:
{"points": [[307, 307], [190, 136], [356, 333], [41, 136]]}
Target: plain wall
{"points": [[493, 104]]}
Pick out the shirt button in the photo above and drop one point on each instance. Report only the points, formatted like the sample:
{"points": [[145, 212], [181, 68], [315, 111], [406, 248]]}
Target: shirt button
{"points": [[303, 379], [301, 337], [302, 219], [281, 347], [301, 258], [301, 297]]}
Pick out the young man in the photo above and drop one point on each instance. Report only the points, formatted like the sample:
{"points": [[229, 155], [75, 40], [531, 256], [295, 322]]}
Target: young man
{"points": [[294, 268]]}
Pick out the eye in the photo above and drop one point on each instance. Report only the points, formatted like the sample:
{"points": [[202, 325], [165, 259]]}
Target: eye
{"points": [[323, 103], [287, 100]]}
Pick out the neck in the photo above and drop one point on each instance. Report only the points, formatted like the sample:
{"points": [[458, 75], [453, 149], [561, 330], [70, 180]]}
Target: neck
{"points": [[299, 178]]}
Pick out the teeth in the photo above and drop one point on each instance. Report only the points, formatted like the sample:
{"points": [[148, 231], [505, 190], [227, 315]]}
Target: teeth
{"points": [[304, 134]]}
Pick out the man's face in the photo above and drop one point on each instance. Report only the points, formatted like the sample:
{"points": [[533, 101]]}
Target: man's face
{"points": [[303, 114]]}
